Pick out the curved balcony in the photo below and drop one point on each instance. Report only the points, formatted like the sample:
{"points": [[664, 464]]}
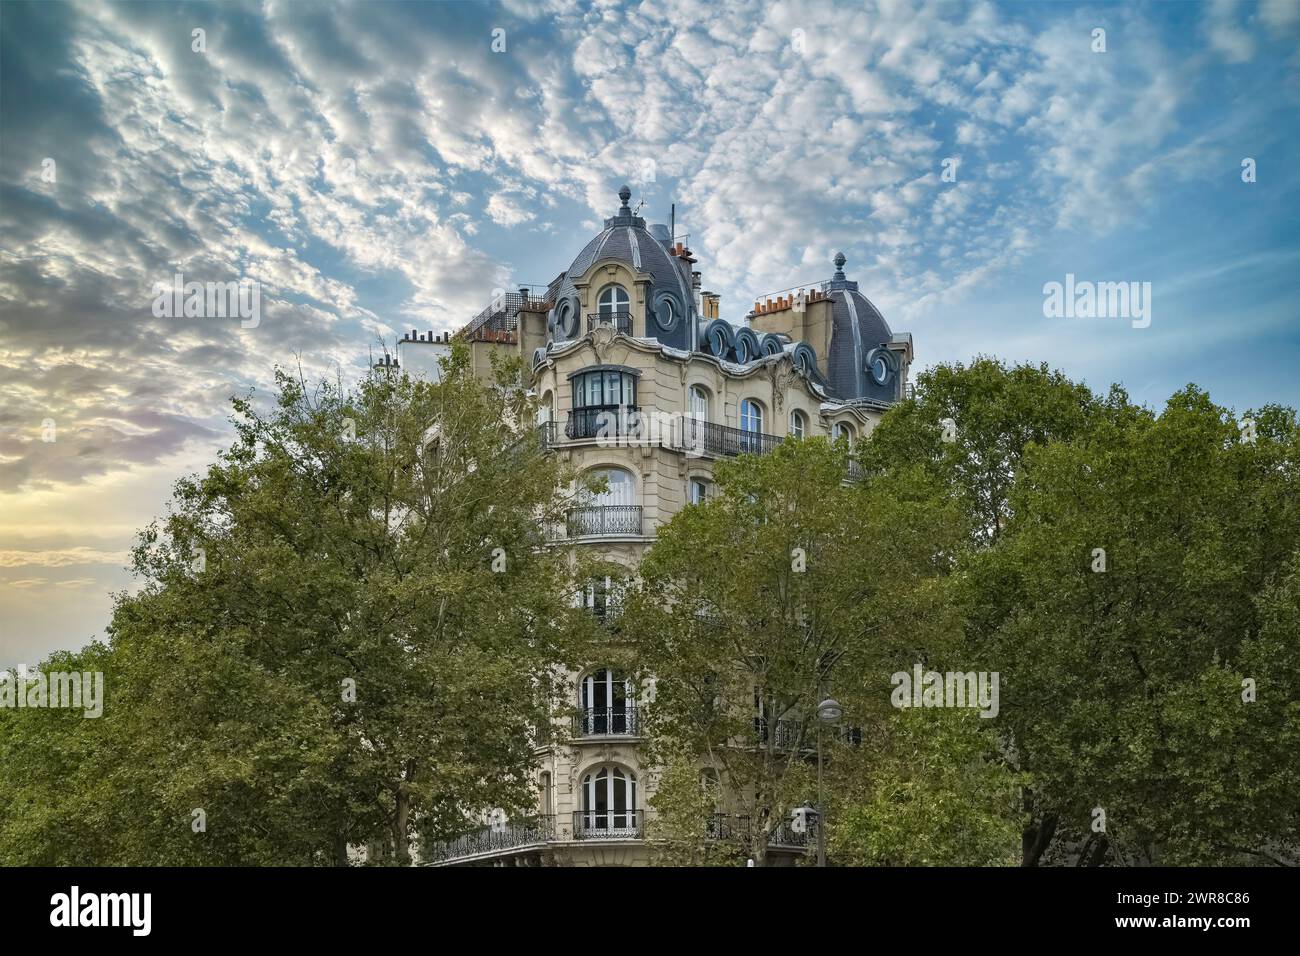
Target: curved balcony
{"points": [[492, 840], [602, 421], [603, 520], [607, 722], [621, 321], [608, 824]]}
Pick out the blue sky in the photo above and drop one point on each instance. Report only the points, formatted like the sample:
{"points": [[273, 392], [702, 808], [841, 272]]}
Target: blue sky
{"points": [[380, 166]]}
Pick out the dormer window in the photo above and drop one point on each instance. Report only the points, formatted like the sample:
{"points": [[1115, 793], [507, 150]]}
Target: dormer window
{"points": [[613, 298]]}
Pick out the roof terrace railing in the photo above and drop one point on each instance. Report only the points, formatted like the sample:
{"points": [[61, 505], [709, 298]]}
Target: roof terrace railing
{"points": [[502, 313]]}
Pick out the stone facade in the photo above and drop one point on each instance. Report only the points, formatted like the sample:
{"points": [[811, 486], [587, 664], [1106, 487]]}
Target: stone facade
{"points": [[594, 346]]}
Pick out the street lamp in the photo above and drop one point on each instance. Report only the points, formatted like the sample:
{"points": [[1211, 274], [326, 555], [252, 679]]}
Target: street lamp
{"points": [[828, 712]]}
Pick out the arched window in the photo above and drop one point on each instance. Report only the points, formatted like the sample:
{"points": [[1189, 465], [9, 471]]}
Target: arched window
{"points": [[699, 491], [699, 403], [613, 298], [751, 426], [844, 431], [798, 424], [546, 409], [608, 804], [620, 487], [608, 705], [613, 511]]}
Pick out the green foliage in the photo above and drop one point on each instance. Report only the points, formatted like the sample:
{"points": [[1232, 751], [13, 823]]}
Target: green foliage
{"points": [[786, 585], [926, 789], [385, 540], [1122, 688], [688, 822]]}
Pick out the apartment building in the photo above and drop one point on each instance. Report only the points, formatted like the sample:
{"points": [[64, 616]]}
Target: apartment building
{"points": [[642, 381]]}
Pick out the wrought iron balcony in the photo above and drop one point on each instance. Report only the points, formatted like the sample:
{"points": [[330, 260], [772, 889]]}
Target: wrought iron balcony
{"points": [[783, 734], [608, 824], [725, 826], [785, 835], [603, 520], [493, 839], [621, 321], [607, 722], [710, 438], [546, 434], [602, 421]]}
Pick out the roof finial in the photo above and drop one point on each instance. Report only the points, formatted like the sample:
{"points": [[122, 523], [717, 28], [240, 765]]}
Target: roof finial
{"points": [[624, 194], [839, 266]]}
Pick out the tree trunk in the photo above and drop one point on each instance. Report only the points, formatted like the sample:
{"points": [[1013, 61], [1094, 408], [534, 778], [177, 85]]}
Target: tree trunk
{"points": [[1035, 839]]}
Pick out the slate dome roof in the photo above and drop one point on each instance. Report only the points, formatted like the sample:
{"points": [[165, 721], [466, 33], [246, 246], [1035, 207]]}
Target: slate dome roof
{"points": [[858, 329], [626, 239]]}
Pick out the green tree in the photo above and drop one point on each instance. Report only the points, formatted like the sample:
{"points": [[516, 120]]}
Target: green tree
{"points": [[928, 788], [343, 636], [969, 427], [786, 585], [1149, 572]]}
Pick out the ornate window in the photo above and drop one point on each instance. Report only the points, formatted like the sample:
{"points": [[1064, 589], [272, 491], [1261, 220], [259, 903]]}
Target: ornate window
{"points": [[665, 313], [844, 432], [751, 416], [699, 491]]}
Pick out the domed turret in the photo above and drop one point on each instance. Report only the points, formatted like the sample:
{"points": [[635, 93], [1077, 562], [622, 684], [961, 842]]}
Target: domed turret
{"points": [[669, 314], [860, 364]]}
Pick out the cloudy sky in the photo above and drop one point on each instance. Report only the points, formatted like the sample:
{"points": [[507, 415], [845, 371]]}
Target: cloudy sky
{"points": [[382, 166]]}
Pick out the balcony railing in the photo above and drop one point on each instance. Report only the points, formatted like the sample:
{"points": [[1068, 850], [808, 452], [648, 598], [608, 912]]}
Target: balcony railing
{"points": [[784, 835], [502, 313], [603, 519], [710, 438], [602, 421], [725, 826], [546, 434], [783, 734], [621, 321], [608, 824], [493, 839], [607, 722]]}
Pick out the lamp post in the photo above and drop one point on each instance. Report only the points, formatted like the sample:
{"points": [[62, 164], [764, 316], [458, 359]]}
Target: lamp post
{"points": [[828, 712]]}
